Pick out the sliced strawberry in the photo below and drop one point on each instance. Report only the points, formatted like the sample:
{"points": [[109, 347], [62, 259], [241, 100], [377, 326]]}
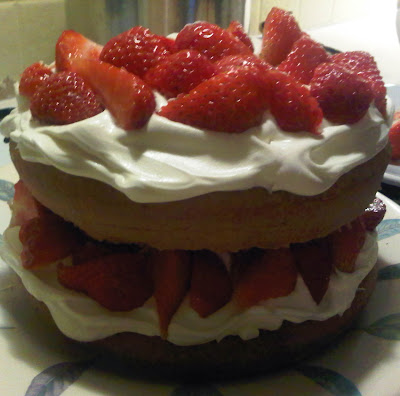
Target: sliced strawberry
{"points": [[270, 274], [314, 262], [305, 56], [72, 45], [64, 98], [210, 40], [374, 214], [232, 62], [118, 282], [33, 77], [171, 276], [280, 32], [210, 286], [292, 105], [343, 95], [229, 102], [137, 50], [236, 29], [128, 98], [179, 73], [394, 138], [364, 65]]}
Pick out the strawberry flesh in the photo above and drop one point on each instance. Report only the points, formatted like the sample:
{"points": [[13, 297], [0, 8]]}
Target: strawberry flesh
{"points": [[232, 62], [32, 78], [236, 29], [374, 214], [394, 138]]}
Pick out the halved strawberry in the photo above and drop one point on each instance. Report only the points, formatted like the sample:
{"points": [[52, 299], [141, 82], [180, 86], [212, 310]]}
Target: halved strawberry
{"points": [[64, 98], [118, 281], [292, 105], [374, 214], [314, 262], [72, 45], [171, 274], [280, 32], [33, 77], [394, 138], [305, 56], [228, 102], [343, 95], [236, 29], [210, 285], [179, 73], [232, 62], [270, 274], [128, 98], [137, 50], [210, 40]]}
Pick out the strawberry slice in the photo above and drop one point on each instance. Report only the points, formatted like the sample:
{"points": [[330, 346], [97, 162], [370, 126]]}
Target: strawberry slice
{"points": [[179, 73], [314, 262], [292, 105], [374, 214], [171, 276], [343, 95], [137, 50], [232, 62], [305, 56], [236, 29], [32, 78], [118, 282], [270, 274], [72, 45], [128, 98], [210, 286], [394, 138], [64, 98], [228, 102], [280, 32], [210, 40]]}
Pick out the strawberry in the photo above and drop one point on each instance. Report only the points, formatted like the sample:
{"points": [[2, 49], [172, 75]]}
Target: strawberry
{"points": [[229, 102], [137, 50], [394, 138], [210, 286], [128, 98], [210, 40], [231, 62], [374, 214], [343, 95], [346, 244], [179, 73], [236, 29], [72, 45], [292, 105], [64, 98], [365, 66], [171, 276], [118, 282], [305, 56], [279, 34], [314, 262], [33, 77], [270, 274]]}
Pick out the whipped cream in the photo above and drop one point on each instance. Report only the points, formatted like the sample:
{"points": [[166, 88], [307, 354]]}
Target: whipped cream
{"points": [[169, 161], [82, 319]]}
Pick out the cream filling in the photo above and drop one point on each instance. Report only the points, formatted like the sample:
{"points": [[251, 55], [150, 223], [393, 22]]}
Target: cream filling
{"points": [[82, 319]]}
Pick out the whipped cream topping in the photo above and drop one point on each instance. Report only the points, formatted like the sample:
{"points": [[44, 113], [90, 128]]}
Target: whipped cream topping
{"points": [[82, 319], [169, 161]]}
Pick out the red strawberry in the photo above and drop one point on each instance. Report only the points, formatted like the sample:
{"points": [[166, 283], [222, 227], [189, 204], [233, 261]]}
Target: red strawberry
{"points": [[33, 77], [365, 66], [71, 46], [305, 56], [292, 105], [343, 95], [137, 50], [118, 282], [229, 102], [128, 98], [47, 238], [210, 286], [280, 32], [210, 40], [346, 244], [314, 262], [179, 73], [236, 29], [374, 214], [232, 62], [394, 138], [64, 98], [270, 274], [171, 283]]}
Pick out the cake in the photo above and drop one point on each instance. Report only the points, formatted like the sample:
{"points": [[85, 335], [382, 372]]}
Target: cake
{"points": [[190, 207]]}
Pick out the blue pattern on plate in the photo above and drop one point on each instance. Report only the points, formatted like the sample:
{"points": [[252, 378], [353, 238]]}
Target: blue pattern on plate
{"points": [[390, 272], [387, 327], [388, 228], [6, 190]]}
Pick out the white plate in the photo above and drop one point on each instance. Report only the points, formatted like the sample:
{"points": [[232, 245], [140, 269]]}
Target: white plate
{"points": [[36, 360]]}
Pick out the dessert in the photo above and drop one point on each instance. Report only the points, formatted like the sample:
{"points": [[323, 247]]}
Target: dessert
{"points": [[224, 230]]}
